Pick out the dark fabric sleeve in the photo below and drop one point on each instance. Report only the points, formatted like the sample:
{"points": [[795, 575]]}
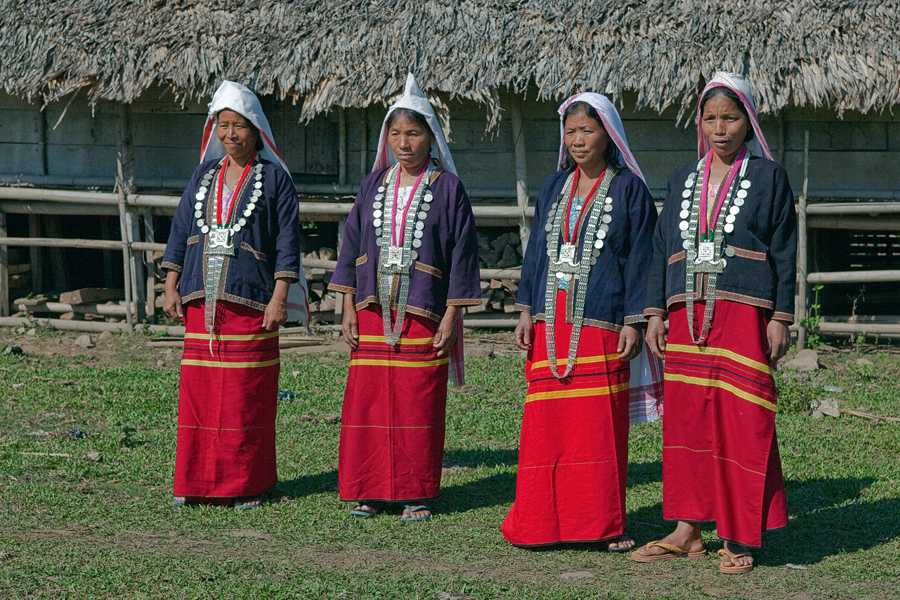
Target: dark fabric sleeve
{"points": [[642, 224], [344, 278], [464, 288], [655, 300], [287, 238], [176, 246], [783, 246], [527, 285]]}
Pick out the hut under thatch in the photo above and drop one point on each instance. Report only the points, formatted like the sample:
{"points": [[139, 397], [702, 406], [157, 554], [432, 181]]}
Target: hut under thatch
{"points": [[85, 78]]}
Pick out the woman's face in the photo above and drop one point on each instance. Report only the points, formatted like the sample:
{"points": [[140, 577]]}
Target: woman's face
{"points": [[724, 125], [236, 134], [409, 141], [585, 139]]}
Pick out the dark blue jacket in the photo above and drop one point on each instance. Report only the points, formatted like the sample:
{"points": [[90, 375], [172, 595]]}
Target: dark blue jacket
{"points": [[446, 272], [266, 249], [762, 271], [617, 283]]}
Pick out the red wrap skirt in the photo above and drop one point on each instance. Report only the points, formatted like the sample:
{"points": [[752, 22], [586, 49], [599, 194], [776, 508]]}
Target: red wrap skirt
{"points": [[392, 426], [226, 405], [720, 451], [573, 453]]}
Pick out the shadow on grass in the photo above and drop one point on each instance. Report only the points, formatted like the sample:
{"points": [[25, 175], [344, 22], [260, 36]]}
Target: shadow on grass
{"points": [[489, 457], [307, 485], [489, 491], [644, 472], [822, 524]]}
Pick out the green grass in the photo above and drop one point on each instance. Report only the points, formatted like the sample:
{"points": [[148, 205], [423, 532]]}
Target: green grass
{"points": [[80, 525]]}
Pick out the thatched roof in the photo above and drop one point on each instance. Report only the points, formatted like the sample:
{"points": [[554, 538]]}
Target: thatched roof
{"points": [[837, 54]]}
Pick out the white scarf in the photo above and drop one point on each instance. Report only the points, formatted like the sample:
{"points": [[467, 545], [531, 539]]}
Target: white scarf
{"points": [[741, 88], [611, 122]]}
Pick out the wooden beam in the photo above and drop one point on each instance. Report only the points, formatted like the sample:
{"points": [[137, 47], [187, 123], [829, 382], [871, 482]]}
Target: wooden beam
{"points": [[871, 223], [38, 242], [855, 208], [521, 162], [90, 295], [881, 276], [363, 144]]}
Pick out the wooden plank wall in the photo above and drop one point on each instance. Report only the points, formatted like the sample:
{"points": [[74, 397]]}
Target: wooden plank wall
{"points": [[856, 156]]}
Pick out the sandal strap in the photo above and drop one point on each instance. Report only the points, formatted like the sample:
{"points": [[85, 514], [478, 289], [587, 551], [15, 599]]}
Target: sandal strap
{"points": [[411, 508], [666, 546]]}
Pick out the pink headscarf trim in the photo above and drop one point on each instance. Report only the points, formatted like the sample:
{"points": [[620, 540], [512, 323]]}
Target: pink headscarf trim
{"points": [[612, 123], [741, 88]]}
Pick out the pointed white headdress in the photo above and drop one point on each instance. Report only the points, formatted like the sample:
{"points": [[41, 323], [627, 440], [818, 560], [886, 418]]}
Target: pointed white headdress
{"points": [[414, 99]]}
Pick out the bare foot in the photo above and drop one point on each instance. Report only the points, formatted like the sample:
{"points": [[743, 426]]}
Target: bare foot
{"points": [[686, 536], [623, 543], [735, 558]]}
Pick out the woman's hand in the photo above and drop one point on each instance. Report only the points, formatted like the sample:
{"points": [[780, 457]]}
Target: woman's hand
{"points": [[349, 327], [276, 309], [779, 338], [445, 336], [656, 337], [172, 303], [629, 343], [524, 329]]}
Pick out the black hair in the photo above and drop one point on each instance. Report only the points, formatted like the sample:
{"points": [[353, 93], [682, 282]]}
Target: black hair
{"points": [[414, 116], [253, 128], [612, 152], [724, 91]]}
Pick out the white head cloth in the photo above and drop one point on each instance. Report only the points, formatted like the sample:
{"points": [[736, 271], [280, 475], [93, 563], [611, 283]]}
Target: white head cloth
{"points": [[414, 99], [612, 123], [239, 98], [741, 87]]}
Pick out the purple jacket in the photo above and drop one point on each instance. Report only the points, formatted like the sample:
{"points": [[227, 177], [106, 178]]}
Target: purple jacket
{"points": [[447, 272]]}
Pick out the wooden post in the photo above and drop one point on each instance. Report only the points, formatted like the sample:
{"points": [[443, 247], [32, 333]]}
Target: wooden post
{"points": [[4, 270], [363, 144], [126, 245], [35, 255], [150, 236], [56, 259], [131, 231], [338, 297], [800, 308], [521, 156], [342, 146], [42, 133]]}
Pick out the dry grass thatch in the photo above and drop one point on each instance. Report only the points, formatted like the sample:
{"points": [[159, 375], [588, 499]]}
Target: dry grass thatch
{"points": [[838, 54]]}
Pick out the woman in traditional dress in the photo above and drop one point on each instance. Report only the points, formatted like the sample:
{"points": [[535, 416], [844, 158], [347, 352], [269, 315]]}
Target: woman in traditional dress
{"points": [[723, 273], [581, 296], [407, 266], [232, 253]]}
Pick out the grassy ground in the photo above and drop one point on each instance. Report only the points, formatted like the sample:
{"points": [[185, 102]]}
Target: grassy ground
{"points": [[90, 516]]}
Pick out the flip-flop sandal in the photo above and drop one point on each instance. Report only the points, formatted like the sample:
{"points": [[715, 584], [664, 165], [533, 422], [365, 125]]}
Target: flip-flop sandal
{"points": [[408, 509], [366, 510], [671, 551], [728, 564], [179, 502], [247, 503], [619, 540]]}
